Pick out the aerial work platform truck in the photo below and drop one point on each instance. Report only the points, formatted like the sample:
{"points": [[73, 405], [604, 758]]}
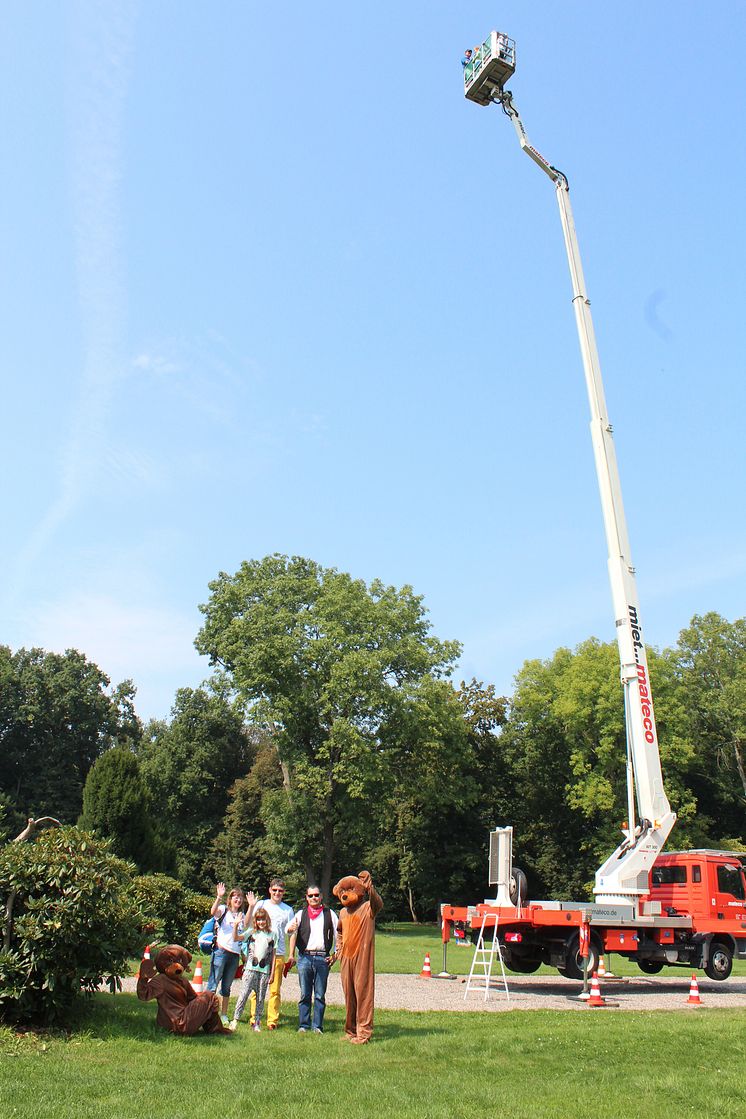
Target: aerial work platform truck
{"points": [[683, 908]]}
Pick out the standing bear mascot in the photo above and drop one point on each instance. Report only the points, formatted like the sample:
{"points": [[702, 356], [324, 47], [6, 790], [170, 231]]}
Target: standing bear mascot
{"points": [[180, 1009], [356, 952]]}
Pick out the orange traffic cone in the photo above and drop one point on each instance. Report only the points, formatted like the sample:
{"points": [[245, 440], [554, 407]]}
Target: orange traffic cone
{"points": [[596, 998], [694, 999], [601, 968], [146, 953], [607, 973], [426, 972], [197, 979]]}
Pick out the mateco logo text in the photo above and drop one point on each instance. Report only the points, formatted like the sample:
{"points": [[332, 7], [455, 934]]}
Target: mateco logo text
{"points": [[646, 699]]}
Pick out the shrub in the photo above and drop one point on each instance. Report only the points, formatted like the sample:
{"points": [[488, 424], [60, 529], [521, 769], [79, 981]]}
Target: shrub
{"points": [[174, 914], [74, 922]]}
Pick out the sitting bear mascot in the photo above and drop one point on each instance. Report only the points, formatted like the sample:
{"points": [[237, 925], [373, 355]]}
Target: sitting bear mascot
{"points": [[180, 1010], [356, 952]]}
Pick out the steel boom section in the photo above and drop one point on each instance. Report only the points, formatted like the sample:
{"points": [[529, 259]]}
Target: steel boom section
{"points": [[625, 874]]}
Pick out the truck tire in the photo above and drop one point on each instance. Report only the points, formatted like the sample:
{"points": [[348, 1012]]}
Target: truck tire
{"points": [[518, 888], [720, 963], [573, 965], [650, 967], [524, 967]]}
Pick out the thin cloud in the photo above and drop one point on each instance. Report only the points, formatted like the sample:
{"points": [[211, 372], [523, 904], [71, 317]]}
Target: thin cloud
{"points": [[150, 644], [156, 363], [99, 72]]}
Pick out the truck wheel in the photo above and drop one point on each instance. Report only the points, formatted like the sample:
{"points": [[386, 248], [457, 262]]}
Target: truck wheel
{"points": [[650, 967], [524, 967], [573, 966], [720, 962], [518, 888]]}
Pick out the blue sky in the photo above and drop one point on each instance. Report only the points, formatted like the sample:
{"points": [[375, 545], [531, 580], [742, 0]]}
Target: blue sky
{"points": [[272, 285]]}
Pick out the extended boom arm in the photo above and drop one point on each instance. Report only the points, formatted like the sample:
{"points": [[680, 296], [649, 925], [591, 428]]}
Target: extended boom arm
{"points": [[624, 875]]}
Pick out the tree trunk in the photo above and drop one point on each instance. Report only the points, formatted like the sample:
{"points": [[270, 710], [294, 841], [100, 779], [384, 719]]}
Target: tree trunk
{"points": [[28, 831], [740, 764], [410, 902], [327, 861], [308, 870]]}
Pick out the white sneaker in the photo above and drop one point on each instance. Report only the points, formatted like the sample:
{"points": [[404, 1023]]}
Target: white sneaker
{"points": [[233, 1025], [256, 1028]]}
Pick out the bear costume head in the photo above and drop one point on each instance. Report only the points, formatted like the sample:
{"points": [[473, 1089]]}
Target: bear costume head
{"points": [[350, 891], [173, 960]]}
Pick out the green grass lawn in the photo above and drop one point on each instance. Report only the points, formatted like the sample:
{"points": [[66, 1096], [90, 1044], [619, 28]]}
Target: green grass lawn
{"points": [[114, 1062], [523, 1065]]}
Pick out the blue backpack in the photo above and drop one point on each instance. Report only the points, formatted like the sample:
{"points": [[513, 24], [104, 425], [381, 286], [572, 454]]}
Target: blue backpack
{"points": [[208, 935]]}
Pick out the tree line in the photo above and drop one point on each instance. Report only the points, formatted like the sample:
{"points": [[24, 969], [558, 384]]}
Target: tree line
{"points": [[332, 735]]}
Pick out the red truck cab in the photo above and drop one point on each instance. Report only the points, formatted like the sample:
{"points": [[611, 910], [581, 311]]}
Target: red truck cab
{"points": [[710, 887]]}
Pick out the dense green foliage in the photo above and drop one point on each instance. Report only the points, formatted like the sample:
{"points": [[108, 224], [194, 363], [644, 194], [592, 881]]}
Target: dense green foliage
{"points": [[710, 667], [116, 805], [71, 921], [564, 745], [189, 765], [172, 913], [57, 717], [244, 849], [332, 669], [332, 738]]}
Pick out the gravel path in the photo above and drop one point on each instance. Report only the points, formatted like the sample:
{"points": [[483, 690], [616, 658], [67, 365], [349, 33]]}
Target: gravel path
{"points": [[527, 992]]}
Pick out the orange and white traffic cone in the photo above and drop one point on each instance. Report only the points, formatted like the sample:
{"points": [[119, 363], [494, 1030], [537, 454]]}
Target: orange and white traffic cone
{"points": [[601, 968], [596, 998], [694, 999], [197, 979], [426, 972]]}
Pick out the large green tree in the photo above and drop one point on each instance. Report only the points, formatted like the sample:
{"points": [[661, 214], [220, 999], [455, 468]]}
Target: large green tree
{"points": [[58, 714], [710, 666], [564, 745], [116, 806], [325, 664], [448, 789], [243, 853], [189, 765]]}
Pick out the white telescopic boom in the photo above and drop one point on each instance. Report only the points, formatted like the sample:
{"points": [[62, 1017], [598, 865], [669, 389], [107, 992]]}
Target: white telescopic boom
{"points": [[625, 874]]}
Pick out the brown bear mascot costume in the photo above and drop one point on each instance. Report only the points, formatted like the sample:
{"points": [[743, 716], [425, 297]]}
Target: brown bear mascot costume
{"points": [[356, 951], [180, 1010]]}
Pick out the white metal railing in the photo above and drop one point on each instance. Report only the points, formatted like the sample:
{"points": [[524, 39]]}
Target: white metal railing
{"points": [[495, 46]]}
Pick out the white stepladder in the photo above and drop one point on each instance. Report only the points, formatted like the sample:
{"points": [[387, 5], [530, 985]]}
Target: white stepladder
{"points": [[483, 961]]}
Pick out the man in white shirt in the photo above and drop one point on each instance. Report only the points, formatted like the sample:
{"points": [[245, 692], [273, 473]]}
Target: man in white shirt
{"points": [[280, 914], [315, 933]]}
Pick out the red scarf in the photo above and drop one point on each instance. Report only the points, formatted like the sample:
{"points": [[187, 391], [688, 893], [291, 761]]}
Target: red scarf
{"points": [[313, 913]]}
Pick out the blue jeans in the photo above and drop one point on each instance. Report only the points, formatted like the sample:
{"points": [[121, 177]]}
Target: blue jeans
{"points": [[223, 968], [313, 973]]}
